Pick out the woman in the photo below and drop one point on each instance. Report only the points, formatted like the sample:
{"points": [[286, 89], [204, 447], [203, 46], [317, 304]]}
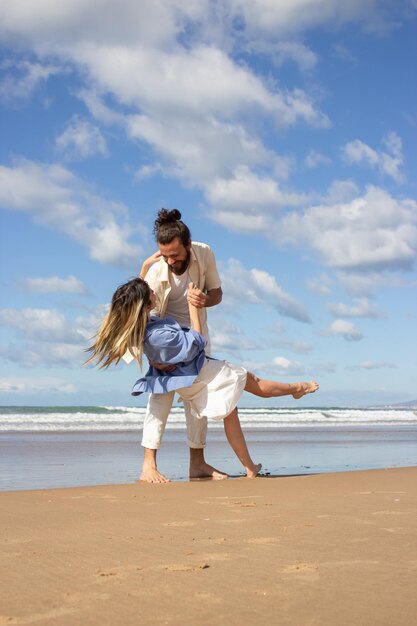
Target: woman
{"points": [[211, 387]]}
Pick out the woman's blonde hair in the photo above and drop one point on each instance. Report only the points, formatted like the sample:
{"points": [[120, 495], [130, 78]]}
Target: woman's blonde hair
{"points": [[123, 328]]}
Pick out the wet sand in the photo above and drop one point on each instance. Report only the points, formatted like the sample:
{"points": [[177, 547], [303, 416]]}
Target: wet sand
{"points": [[329, 549], [39, 460]]}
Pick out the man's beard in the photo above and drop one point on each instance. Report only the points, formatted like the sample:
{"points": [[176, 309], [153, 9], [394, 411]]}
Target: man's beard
{"points": [[180, 269]]}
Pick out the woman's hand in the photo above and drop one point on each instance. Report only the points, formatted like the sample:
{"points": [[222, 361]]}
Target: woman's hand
{"points": [[148, 262], [196, 297]]}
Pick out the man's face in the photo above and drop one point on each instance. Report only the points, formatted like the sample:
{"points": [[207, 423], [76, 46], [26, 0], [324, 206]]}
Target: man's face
{"points": [[176, 255]]}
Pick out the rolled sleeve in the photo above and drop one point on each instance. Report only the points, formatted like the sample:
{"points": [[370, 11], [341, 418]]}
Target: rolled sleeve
{"points": [[212, 275]]}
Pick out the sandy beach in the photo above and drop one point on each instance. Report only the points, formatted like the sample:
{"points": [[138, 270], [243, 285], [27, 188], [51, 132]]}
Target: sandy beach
{"points": [[330, 549]]}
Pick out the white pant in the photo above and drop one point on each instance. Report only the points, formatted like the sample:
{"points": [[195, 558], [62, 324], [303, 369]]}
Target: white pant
{"points": [[157, 413]]}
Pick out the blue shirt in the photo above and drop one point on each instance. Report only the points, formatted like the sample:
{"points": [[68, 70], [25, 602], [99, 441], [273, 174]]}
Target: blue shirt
{"points": [[165, 341]]}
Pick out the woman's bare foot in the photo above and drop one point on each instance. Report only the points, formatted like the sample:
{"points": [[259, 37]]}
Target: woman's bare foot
{"points": [[252, 472], [304, 388], [151, 475], [204, 470]]}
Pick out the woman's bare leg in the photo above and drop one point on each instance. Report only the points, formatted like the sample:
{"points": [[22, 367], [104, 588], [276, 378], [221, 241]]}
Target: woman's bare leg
{"points": [[237, 440], [273, 389]]}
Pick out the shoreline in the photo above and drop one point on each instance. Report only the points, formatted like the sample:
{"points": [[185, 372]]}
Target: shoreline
{"points": [[38, 460], [316, 549]]}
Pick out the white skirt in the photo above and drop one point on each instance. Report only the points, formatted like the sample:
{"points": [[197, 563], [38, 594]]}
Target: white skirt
{"points": [[216, 390]]}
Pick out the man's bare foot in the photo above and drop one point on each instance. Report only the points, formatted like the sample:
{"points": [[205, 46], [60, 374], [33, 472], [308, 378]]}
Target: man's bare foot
{"points": [[204, 470], [252, 472], [151, 475], [304, 388]]}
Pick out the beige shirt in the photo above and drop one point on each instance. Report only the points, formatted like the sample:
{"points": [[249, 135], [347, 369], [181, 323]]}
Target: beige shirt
{"points": [[202, 271]]}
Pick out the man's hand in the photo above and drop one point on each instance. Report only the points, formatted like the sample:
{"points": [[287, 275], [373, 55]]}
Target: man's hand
{"points": [[196, 297], [162, 366]]}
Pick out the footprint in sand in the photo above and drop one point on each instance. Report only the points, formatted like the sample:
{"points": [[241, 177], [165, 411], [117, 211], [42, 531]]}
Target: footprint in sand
{"points": [[179, 524], [263, 540], [191, 567], [37, 617], [302, 568], [389, 513]]}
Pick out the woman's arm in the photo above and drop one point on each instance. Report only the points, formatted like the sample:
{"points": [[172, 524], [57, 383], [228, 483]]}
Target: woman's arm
{"points": [[148, 262], [194, 316]]}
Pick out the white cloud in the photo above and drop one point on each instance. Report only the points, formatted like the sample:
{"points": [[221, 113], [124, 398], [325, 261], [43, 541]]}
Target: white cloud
{"points": [[372, 365], [363, 285], [284, 51], [357, 233], [320, 284], [245, 201], [57, 199], [47, 325], [314, 159], [279, 365], [277, 328], [22, 386], [295, 51], [52, 325], [342, 52], [196, 149], [202, 82], [165, 73], [298, 347], [368, 233], [188, 102], [54, 284], [81, 140], [346, 329], [229, 338], [147, 171], [45, 354], [52, 339], [23, 78], [388, 163], [48, 23], [229, 342], [273, 19], [283, 166], [285, 366], [363, 307], [94, 102], [203, 79], [87, 327], [258, 287], [340, 192], [321, 369]]}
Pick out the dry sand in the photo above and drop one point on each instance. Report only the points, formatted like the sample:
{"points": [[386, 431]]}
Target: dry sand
{"points": [[332, 549]]}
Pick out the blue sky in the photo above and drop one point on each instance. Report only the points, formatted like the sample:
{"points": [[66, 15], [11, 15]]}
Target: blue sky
{"points": [[285, 132]]}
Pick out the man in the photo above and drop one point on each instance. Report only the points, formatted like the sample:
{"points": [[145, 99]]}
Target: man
{"points": [[178, 262]]}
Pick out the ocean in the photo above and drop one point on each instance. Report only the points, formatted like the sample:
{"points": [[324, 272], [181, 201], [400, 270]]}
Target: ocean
{"points": [[48, 447]]}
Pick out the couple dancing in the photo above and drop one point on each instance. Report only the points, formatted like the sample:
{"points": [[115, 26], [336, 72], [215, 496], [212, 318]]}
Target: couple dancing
{"points": [[181, 283]]}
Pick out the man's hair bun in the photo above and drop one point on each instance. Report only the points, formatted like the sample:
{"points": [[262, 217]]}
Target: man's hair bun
{"points": [[165, 216], [168, 225]]}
